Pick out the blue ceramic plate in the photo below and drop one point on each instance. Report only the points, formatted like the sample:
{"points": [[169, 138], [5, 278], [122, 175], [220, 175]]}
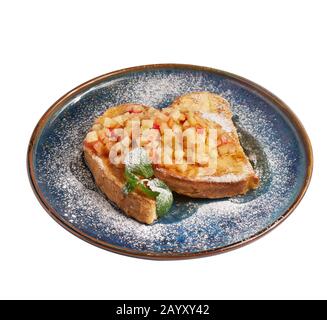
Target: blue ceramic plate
{"points": [[270, 133]]}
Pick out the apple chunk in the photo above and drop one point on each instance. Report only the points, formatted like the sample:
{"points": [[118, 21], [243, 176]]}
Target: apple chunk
{"points": [[91, 137]]}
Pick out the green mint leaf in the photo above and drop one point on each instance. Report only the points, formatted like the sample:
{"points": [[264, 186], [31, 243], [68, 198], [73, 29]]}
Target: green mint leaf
{"points": [[137, 162], [131, 182], [164, 199]]}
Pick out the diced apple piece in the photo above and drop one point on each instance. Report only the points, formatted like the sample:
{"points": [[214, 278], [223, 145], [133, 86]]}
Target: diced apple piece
{"points": [[145, 137], [129, 130], [109, 123], [97, 127], [176, 128], [191, 119], [119, 119], [179, 154], [189, 135], [129, 124], [200, 130], [125, 118], [175, 114], [91, 137], [102, 134], [115, 134], [147, 124], [202, 158], [99, 148]]}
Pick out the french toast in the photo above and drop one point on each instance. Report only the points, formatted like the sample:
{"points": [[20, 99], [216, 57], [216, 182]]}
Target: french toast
{"points": [[210, 170], [232, 173], [109, 177]]}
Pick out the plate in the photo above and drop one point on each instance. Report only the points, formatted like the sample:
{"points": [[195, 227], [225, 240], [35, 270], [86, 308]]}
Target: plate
{"points": [[270, 133]]}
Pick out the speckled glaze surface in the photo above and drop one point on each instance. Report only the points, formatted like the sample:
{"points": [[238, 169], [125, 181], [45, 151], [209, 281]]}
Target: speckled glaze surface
{"points": [[270, 133]]}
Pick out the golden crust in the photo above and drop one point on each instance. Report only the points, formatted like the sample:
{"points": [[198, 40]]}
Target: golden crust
{"points": [[206, 189], [202, 101], [111, 184]]}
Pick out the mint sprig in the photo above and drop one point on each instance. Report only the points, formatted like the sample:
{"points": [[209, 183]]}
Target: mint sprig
{"points": [[138, 164]]}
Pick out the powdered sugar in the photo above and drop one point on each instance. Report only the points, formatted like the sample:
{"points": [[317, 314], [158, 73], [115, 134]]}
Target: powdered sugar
{"points": [[226, 124], [228, 178], [136, 157]]}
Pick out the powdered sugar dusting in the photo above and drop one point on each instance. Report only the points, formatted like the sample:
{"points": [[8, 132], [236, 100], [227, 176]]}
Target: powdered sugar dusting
{"points": [[230, 177], [193, 225], [218, 118], [135, 157]]}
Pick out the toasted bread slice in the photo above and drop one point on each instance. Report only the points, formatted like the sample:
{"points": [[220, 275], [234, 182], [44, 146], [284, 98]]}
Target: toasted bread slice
{"points": [[201, 111], [233, 173], [110, 178]]}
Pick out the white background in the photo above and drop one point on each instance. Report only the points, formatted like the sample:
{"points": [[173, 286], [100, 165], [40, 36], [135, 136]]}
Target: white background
{"points": [[47, 48]]}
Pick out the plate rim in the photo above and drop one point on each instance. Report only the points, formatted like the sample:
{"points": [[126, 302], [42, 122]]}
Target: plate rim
{"points": [[171, 255]]}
